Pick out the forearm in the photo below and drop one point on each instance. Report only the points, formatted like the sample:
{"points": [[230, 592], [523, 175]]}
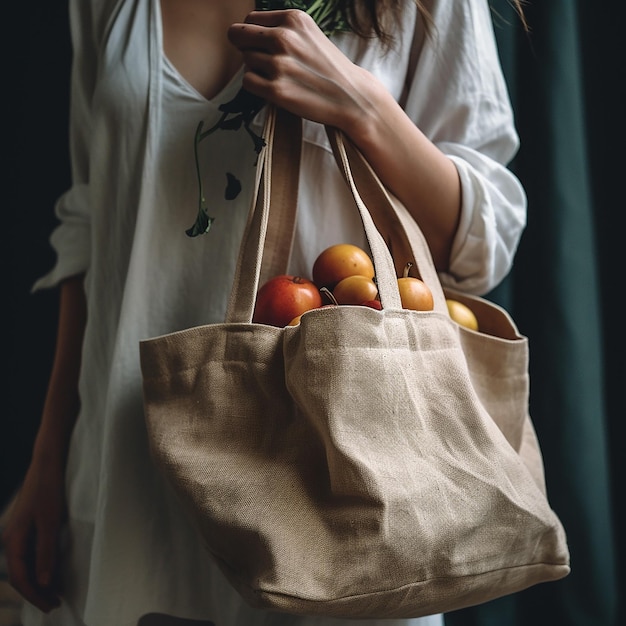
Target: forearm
{"points": [[62, 401], [424, 179], [290, 62]]}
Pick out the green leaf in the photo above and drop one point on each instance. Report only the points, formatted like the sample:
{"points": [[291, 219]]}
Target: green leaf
{"points": [[201, 225], [326, 13]]}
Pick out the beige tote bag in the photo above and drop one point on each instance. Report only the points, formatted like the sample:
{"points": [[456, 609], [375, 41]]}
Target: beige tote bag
{"points": [[363, 464]]}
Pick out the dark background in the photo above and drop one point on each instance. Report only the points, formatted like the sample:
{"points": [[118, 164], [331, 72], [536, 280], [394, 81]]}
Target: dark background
{"points": [[566, 79], [36, 172]]}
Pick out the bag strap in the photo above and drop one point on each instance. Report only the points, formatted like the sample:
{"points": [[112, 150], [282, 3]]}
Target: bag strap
{"points": [[284, 202], [276, 201], [276, 185], [404, 238]]}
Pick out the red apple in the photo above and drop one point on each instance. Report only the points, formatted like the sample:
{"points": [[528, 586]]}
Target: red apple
{"points": [[373, 304], [283, 298]]}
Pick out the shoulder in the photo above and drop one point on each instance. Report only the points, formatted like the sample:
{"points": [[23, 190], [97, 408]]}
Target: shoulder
{"points": [[90, 19], [462, 20], [463, 39]]}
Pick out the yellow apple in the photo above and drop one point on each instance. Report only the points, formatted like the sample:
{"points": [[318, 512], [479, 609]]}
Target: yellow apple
{"points": [[462, 314]]}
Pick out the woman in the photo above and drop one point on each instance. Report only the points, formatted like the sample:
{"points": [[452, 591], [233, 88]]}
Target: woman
{"points": [[95, 535]]}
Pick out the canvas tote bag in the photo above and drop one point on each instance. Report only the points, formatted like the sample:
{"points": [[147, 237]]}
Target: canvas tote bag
{"points": [[363, 464]]}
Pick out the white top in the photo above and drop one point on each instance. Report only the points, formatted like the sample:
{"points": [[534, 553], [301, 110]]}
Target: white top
{"points": [[130, 550]]}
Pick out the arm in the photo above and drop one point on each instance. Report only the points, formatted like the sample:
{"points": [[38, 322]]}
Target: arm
{"points": [[32, 532], [291, 63], [455, 111]]}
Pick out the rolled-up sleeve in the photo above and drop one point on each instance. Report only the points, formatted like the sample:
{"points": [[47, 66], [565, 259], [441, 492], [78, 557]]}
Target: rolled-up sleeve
{"points": [[71, 238], [458, 98]]}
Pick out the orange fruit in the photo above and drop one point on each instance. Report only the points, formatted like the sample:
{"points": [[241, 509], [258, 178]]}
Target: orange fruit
{"points": [[340, 261], [355, 289], [462, 314], [415, 294]]}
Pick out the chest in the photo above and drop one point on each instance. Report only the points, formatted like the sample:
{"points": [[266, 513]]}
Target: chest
{"points": [[195, 41]]}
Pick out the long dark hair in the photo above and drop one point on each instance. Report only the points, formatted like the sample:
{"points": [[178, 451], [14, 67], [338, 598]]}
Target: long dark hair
{"points": [[372, 16]]}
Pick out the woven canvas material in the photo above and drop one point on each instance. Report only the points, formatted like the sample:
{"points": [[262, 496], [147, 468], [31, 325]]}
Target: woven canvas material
{"points": [[363, 464]]}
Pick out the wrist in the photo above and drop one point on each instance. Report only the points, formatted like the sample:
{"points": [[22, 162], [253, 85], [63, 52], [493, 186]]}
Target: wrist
{"points": [[50, 453], [52, 442], [363, 121]]}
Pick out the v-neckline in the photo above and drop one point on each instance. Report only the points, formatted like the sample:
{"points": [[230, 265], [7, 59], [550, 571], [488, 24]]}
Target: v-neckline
{"points": [[218, 98]]}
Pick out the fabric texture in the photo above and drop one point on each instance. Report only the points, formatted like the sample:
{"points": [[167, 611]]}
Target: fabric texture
{"points": [[358, 464], [132, 127]]}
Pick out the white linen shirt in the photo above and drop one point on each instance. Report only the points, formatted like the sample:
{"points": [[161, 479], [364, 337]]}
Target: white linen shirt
{"points": [[130, 551]]}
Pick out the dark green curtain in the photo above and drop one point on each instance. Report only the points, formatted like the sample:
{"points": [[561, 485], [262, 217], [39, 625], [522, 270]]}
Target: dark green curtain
{"points": [[564, 79]]}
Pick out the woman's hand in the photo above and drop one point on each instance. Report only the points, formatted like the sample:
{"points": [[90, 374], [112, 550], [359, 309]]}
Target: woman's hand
{"points": [[31, 537], [289, 61]]}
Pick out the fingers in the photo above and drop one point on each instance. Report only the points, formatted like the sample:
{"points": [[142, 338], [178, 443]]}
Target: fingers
{"points": [[269, 30], [262, 49], [290, 62], [20, 556], [249, 37], [277, 18], [46, 559], [274, 45]]}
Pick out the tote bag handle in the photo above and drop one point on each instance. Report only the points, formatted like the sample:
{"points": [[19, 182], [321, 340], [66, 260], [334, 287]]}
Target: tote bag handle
{"points": [[276, 199], [404, 238]]}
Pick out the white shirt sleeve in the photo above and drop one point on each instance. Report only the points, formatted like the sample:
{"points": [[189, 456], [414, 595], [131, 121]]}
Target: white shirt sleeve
{"points": [[71, 237], [458, 97]]}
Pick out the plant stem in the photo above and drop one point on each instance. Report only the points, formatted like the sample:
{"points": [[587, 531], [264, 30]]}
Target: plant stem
{"points": [[198, 138]]}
